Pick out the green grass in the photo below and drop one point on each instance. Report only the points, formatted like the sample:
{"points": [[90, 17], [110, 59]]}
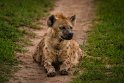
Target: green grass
{"points": [[14, 14], [104, 62]]}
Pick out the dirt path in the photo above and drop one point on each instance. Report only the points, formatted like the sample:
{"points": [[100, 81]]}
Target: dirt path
{"points": [[30, 72]]}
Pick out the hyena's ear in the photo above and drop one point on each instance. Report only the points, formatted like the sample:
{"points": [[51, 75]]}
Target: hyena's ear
{"points": [[51, 20], [72, 19]]}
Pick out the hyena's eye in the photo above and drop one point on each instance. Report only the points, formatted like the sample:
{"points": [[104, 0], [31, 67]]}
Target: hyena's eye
{"points": [[62, 28], [70, 27]]}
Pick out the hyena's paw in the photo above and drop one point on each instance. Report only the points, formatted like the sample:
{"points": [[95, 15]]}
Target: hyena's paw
{"points": [[64, 72], [51, 74]]}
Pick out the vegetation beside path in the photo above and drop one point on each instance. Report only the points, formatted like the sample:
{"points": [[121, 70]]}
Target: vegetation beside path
{"points": [[14, 14], [104, 62]]}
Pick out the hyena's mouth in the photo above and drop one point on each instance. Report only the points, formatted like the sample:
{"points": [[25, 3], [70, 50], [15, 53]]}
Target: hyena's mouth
{"points": [[68, 37], [67, 34]]}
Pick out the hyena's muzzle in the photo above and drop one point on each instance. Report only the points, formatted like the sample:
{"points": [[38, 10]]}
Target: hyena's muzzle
{"points": [[67, 34]]}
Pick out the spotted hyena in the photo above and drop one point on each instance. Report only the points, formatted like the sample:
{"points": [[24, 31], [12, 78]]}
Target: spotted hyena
{"points": [[57, 45]]}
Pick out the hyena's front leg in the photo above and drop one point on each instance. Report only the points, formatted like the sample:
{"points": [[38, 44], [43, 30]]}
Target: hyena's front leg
{"points": [[64, 68], [48, 58], [66, 65]]}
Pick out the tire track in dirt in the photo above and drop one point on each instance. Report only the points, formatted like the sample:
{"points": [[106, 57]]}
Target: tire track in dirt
{"points": [[29, 71]]}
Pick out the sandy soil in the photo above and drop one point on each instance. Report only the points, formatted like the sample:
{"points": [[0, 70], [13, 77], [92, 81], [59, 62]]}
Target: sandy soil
{"points": [[31, 72]]}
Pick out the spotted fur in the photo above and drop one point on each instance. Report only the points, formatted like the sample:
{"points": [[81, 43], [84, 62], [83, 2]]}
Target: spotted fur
{"points": [[53, 49]]}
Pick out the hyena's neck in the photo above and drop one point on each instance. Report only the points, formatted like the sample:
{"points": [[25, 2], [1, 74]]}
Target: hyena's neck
{"points": [[54, 35], [51, 33]]}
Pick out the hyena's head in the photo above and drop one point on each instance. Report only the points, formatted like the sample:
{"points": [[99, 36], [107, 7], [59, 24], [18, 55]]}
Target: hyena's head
{"points": [[62, 26]]}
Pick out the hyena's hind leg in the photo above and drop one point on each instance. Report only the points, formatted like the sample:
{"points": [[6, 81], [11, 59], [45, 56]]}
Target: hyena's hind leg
{"points": [[37, 56]]}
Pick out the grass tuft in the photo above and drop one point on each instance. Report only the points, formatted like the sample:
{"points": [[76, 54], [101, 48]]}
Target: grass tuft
{"points": [[105, 46], [15, 14]]}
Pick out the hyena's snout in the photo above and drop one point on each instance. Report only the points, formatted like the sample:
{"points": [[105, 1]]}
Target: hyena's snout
{"points": [[70, 35], [67, 34]]}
